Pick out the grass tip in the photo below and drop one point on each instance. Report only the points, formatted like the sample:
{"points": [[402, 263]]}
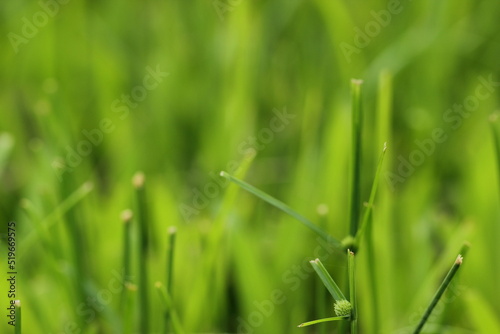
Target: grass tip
{"points": [[314, 261], [172, 230], [459, 259], [88, 186], [350, 252], [158, 285], [17, 303], [126, 215], [138, 180], [385, 147], [494, 117], [357, 81], [322, 209], [130, 286]]}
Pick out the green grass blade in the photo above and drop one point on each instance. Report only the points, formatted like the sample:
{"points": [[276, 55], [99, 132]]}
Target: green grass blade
{"points": [[283, 207], [167, 301], [447, 280], [313, 322], [138, 182], [371, 201], [327, 280], [57, 215], [355, 188], [496, 138], [352, 291], [18, 317], [172, 233]]}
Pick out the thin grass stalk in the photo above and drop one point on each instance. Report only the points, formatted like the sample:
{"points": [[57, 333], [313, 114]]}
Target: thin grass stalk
{"points": [[357, 119], [439, 293], [313, 322], [18, 317], [366, 231], [56, 215], [352, 291], [125, 305], [172, 233], [166, 298], [283, 207], [142, 220], [327, 280], [496, 141]]}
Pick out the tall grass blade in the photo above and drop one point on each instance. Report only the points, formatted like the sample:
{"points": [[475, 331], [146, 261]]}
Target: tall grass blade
{"points": [[18, 317], [447, 280], [496, 138], [126, 294], [56, 215], [172, 233], [283, 207], [142, 221], [327, 280], [167, 302], [352, 291], [355, 187], [313, 322], [369, 206]]}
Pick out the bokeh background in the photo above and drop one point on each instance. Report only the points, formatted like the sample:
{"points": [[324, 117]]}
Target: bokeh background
{"points": [[181, 90]]}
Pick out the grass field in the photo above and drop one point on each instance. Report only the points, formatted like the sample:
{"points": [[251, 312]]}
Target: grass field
{"points": [[139, 105]]}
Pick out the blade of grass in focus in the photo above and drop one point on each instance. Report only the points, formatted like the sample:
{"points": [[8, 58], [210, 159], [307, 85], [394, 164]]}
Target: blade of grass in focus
{"points": [[355, 177], [283, 207], [447, 280], [327, 280]]}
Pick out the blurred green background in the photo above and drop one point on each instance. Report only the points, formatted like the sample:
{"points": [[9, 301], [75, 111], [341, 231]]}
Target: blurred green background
{"points": [[94, 91]]}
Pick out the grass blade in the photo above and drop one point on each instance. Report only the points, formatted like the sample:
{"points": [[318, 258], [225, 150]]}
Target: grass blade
{"points": [[167, 301], [18, 317], [371, 201], [313, 322], [327, 280], [357, 119], [283, 207], [352, 291], [447, 280], [496, 139], [172, 233], [143, 245]]}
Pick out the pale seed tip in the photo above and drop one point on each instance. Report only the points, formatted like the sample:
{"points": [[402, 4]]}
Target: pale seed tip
{"points": [[17, 303], [322, 209], [158, 285], [172, 230], [459, 259], [138, 180], [126, 215]]}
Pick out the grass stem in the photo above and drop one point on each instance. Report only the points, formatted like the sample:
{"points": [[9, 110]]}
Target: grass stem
{"points": [[352, 291], [18, 317], [142, 220], [283, 207], [439, 293], [355, 187]]}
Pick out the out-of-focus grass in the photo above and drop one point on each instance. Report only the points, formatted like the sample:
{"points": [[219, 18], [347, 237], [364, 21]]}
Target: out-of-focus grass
{"points": [[225, 79]]}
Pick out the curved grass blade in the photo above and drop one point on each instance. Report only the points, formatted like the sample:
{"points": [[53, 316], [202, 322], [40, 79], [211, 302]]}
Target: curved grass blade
{"points": [[309, 323], [327, 280], [373, 192], [283, 207], [447, 280]]}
